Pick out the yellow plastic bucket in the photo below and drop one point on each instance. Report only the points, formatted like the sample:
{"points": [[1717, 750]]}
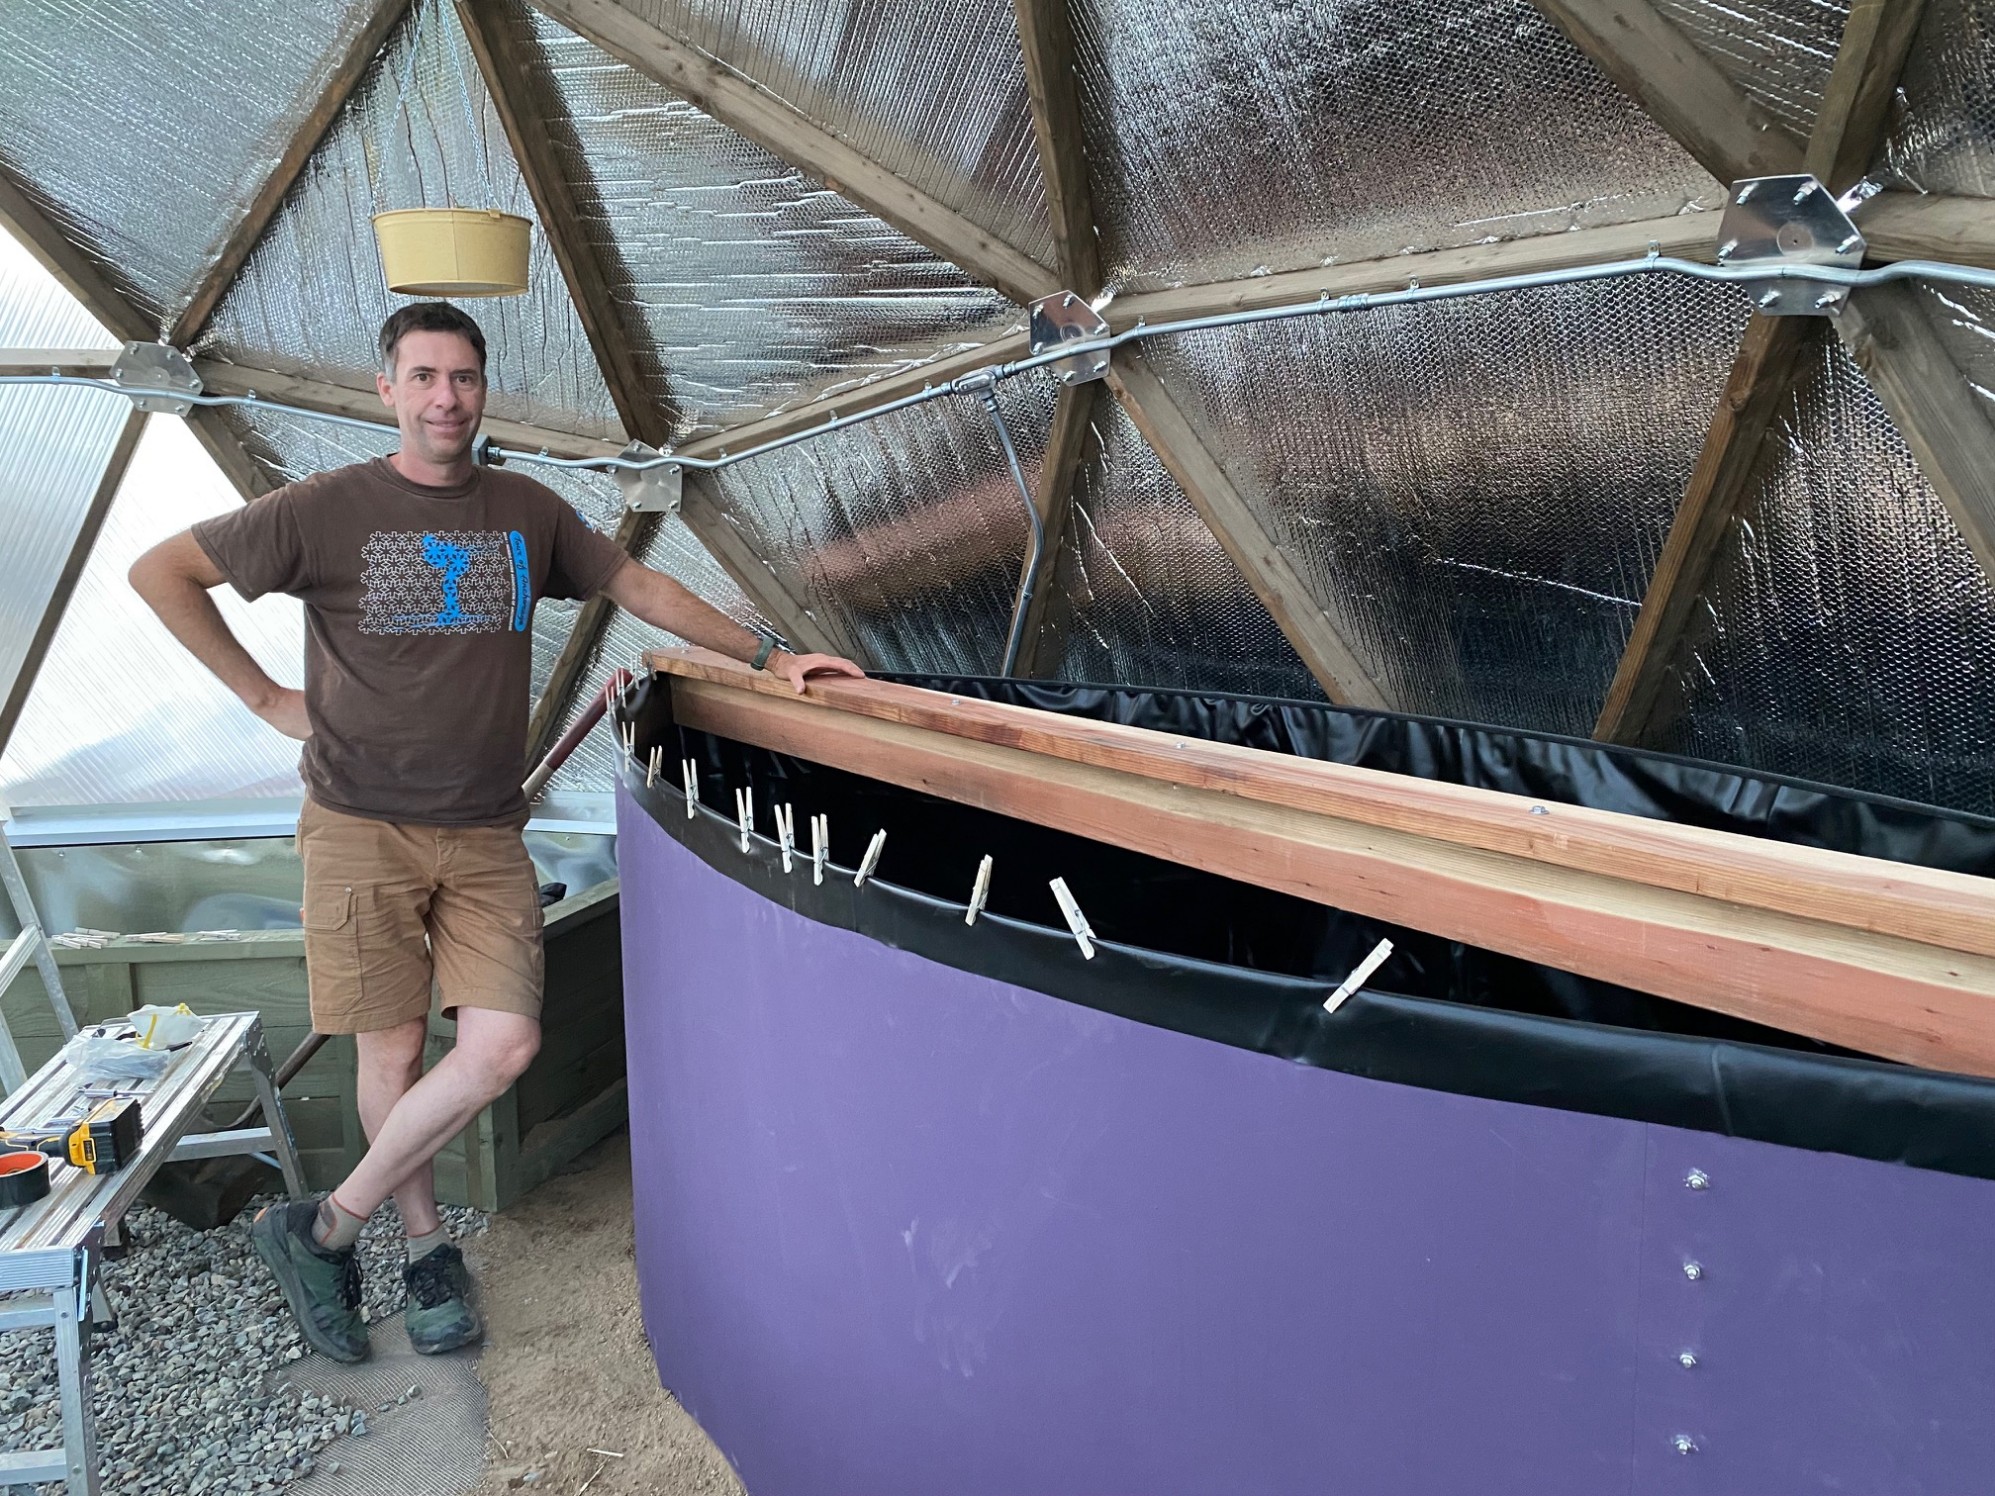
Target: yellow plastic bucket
{"points": [[453, 251]]}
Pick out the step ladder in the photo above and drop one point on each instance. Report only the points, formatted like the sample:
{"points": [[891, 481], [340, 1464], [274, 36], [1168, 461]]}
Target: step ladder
{"points": [[30, 945]]}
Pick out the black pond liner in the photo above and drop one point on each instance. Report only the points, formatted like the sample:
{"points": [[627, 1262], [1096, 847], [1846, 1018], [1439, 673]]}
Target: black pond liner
{"points": [[1247, 966]]}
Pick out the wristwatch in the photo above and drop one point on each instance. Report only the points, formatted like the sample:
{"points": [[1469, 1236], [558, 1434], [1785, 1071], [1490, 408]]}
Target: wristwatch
{"points": [[770, 644]]}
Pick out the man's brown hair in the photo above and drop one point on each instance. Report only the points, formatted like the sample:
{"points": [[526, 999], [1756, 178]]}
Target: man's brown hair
{"points": [[427, 316]]}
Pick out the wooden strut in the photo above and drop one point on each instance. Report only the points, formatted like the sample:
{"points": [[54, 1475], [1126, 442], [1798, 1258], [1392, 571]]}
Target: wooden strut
{"points": [[1889, 959]]}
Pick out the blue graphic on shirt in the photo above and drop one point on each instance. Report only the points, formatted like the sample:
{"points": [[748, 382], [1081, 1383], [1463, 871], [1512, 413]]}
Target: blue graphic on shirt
{"points": [[522, 585], [445, 582], [453, 561]]}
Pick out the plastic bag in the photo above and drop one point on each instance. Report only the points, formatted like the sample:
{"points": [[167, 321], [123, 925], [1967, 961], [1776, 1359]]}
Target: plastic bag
{"points": [[95, 1055]]}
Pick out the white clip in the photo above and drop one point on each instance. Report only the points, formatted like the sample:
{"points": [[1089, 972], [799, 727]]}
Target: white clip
{"points": [[872, 858], [786, 831], [651, 768], [630, 740], [980, 892], [1358, 977], [820, 846], [744, 810], [691, 773], [1076, 921]]}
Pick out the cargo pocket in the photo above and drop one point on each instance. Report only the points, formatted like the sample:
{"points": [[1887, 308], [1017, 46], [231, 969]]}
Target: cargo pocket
{"points": [[332, 953]]}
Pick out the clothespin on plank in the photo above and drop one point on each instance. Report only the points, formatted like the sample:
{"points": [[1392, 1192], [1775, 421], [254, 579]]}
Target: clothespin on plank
{"points": [[980, 892], [1360, 974], [1076, 921], [872, 858]]}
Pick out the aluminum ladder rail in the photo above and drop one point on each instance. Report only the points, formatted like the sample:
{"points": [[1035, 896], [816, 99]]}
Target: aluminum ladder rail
{"points": [[30, 945]]}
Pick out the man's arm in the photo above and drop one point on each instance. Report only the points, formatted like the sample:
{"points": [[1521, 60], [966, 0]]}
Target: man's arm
{"points": [[664, 603], [174, 578]]}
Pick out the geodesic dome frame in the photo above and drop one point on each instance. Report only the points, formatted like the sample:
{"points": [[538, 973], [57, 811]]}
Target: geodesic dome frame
{"points": [[1640, 510]]}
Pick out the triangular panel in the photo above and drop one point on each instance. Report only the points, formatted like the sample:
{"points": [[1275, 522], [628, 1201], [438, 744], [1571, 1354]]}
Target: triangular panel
{"points": [[177, 733], [143, 128], [1778, 53], [420, 131], [1227, 138], [1847, 633], [754, 287], [1142, 592], [1943, 140], [905, 534], [1475, 489], [934, 93]]}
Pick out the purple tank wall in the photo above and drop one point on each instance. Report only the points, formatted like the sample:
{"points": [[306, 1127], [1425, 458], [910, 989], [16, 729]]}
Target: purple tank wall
{"points": [[906, 1229]]}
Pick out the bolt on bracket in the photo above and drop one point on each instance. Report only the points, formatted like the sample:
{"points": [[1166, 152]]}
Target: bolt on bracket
{"points": [[156, 367], [1778, 222], [1065, 318], [652, 490]]}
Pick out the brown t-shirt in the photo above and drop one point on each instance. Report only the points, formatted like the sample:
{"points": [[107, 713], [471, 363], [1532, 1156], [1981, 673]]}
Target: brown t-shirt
{"points": [[419, 614]]}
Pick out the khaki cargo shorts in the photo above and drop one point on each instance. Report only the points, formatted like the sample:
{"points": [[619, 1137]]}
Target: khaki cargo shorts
{"points": [[389, 906]]}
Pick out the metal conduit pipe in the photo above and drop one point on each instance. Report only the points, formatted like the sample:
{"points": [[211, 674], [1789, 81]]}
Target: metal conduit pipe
{"points": [[979, 380], [1036, 542]]}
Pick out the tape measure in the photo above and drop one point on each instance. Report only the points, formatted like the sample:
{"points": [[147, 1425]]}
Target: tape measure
{"points": [[23, 1179]]}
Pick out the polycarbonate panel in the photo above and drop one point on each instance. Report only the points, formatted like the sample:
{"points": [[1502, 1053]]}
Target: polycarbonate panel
{"points": [[1847, 633], [1227, 138], [905, 534], [143, 128], [420, 131], [1475, 489], [672, 549], [934, 92], [1778, 53], [756, 288], [1944, 137], [53, 446], [1142, 592], [120, 711]]}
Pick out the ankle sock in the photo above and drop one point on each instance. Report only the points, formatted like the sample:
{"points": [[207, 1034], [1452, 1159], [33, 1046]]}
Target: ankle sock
{"points": [[336, 1228], [421, 1246]]}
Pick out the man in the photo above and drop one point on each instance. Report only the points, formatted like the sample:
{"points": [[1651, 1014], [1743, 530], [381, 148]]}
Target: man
{"points": [[418, 573]]}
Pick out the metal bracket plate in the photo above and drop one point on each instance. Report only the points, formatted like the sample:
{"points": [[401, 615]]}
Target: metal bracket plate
{"points": [[157, 366], [1789, 220], [1063, 318], [654, 490]]}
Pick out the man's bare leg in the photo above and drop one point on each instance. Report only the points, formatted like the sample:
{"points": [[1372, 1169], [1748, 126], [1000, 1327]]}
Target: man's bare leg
{"points": [[391, 1061], [492, 1050]]}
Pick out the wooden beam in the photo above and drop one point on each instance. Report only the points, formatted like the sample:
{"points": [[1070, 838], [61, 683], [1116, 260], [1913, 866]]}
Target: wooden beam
{"points": [[504, 59], [220, 378], [1855, 110], [1849, 128], [1890, 959], [1719, 485], [1912, 226], [1677, 86], [1048, 44], [790, 615], [1936, 408], [742, 106], [1073, 414], [235, 251], [71, 363], [1266, 567], [99, 508], [73, 269]]}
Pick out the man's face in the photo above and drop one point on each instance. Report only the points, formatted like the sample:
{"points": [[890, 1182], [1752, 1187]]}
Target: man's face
{"points": [[438, 394]]}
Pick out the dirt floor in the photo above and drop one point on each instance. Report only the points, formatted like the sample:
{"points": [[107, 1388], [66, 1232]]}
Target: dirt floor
{"points": [[570, 1377]]}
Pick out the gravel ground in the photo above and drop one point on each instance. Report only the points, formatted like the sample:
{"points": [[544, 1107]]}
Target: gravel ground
{"points": [[178, 1393]]}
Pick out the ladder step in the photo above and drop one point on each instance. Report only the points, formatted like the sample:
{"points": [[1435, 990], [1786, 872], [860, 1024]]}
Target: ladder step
{"points": [[22, 949]]}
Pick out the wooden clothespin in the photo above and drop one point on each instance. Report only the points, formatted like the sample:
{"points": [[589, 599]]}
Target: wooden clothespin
{"points": [[1076, 921], [980, 892], [820, 846], [786, 831], [871, 859], [1360, 974]]}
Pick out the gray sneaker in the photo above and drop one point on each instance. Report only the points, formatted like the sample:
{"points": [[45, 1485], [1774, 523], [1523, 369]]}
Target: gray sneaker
{"points": [[440, 1317], [322, 1287]]}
